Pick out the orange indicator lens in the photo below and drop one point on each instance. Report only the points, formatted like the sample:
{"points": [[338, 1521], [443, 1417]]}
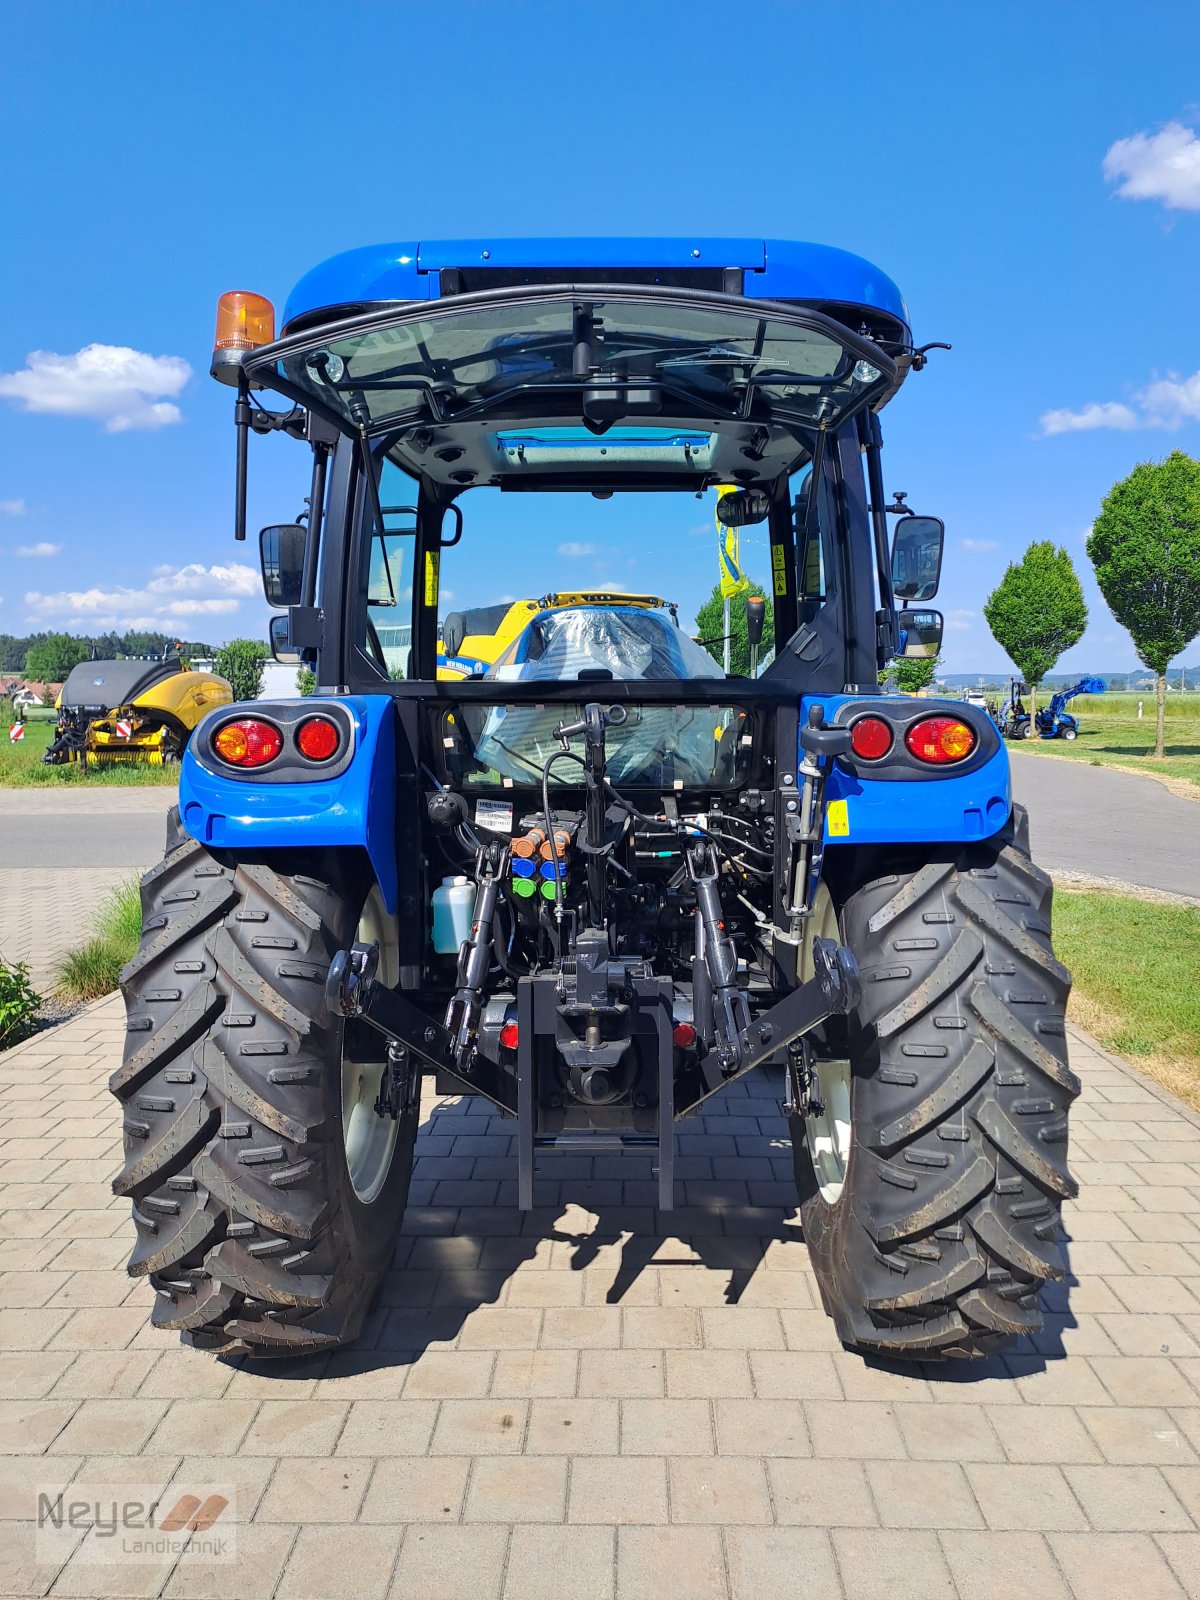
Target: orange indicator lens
{"points": [[940, 740], [248, 743]]}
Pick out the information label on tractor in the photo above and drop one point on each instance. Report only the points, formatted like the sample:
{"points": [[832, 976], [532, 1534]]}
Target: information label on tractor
{"points": [[432, 562], [837, 819], [779, 568], [495, 816]]}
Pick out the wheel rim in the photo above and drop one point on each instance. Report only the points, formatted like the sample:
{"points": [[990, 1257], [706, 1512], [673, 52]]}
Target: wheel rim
{"points": [[369, 1139], [827, 1133]]}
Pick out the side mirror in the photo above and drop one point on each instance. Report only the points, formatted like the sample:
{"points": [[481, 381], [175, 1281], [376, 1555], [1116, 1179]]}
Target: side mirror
{"points": [[281, 640], [917, 557], [281, 556], [741, 507], [920, 634]]}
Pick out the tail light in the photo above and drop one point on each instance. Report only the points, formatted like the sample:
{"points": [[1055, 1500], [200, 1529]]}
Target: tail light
{"points": [[870, 738], [683, 1036], [940, 740], [318, 739], [247, 742], [510, 1036]]}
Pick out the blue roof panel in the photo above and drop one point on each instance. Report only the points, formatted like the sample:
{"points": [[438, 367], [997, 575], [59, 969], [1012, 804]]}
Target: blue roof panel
{"points": [[775, 269]]}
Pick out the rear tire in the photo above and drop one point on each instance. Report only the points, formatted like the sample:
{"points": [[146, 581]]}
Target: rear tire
{"points": [[248, 1223], [947, 1222]]}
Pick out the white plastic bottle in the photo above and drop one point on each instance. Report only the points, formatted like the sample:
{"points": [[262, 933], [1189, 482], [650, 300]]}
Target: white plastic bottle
{"points": [[453, 903]]}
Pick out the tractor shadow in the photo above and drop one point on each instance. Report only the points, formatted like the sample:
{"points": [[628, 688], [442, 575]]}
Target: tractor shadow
{"points": [[472, 1272]]}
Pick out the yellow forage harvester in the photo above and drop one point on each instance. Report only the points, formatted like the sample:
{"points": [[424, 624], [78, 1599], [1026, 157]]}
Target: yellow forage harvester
{"points": [[132, 710]]}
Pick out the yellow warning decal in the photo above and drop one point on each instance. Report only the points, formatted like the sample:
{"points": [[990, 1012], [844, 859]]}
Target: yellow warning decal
{"points": [[432, 562], [779, 568], [837, 819]]}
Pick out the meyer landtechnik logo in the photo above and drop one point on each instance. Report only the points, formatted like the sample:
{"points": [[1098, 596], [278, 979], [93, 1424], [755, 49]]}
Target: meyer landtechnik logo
{"points": [[134, 1522]]}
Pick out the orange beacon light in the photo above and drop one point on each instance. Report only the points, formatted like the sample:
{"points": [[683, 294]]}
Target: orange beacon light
{"points": [[244, 322]]}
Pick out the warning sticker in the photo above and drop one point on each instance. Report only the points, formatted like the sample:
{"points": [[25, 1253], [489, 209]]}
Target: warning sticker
{"points": [[779, 568], [837, 819], [494, 815], [432, 562]]}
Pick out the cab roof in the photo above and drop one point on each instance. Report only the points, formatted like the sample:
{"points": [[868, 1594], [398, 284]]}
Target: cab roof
{"points": [[844, 286]]}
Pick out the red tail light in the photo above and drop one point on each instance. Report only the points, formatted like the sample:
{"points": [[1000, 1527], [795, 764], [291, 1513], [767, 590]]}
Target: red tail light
{"points": [[247, 743], [318, 738], [870, 738], [940, 740], [510, 1036], [684, 1035]]}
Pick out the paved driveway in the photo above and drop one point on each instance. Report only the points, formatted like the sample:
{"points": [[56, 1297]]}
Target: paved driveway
{"points": [[596, 1403], [1109, 824], [61, 852]]}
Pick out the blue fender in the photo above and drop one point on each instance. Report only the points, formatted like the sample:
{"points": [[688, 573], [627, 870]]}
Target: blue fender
{"points": [[942, 808], [355, 808]]}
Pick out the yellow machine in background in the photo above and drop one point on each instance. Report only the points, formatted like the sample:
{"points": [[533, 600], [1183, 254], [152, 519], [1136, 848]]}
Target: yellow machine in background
{"points": [[473, 641], [132, 710]]}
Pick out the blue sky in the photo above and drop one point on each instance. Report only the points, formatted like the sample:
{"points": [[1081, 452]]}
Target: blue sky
{"points": [[1029, 174]]}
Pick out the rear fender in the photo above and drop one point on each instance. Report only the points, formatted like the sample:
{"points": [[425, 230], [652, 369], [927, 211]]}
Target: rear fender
{"points": [[251, 812], [928, 805]]}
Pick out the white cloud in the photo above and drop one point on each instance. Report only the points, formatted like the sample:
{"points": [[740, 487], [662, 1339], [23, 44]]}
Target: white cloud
{"points": [[195, 579], [12, 508], [1166, 403], [42, 548], [1171, 400], [190, 591], [112, 384], [979, 547], [573, 548], [1110, 414], [1157, 166]]}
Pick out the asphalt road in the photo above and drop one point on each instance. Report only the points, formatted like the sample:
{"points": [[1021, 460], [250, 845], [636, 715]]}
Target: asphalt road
{"points": [[1082, 819], [81, 827], [1109, 824]]}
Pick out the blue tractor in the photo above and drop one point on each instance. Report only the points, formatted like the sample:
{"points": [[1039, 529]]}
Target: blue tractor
{"points": [[603, 880], [1055, 721]]}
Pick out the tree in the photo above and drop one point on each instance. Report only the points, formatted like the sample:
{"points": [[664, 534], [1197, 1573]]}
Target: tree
{"points": [[306, 681], [1145, 547], [1037, 611], [50, 660], [710, 628], [242, 662], [910, 673]]}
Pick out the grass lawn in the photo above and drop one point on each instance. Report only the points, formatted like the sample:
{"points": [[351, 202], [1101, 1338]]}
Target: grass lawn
{"points": [[93, 969], [1112, 735], [1136, 965], [21, 764]]}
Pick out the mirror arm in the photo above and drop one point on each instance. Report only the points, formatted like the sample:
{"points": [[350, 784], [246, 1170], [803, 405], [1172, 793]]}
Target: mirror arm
{"points": [[241, 423]]}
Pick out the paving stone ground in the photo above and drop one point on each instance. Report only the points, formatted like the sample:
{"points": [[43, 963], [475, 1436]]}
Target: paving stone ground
{"points": [[599, 1402]]}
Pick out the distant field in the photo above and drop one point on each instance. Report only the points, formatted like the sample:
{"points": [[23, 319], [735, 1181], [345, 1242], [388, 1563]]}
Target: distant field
{"points": [[21, 764], [1112, 734]]}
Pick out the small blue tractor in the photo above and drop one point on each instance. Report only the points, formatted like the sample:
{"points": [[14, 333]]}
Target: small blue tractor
{"points": [[1055, 721], [600, 880], [1014, 721]]}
